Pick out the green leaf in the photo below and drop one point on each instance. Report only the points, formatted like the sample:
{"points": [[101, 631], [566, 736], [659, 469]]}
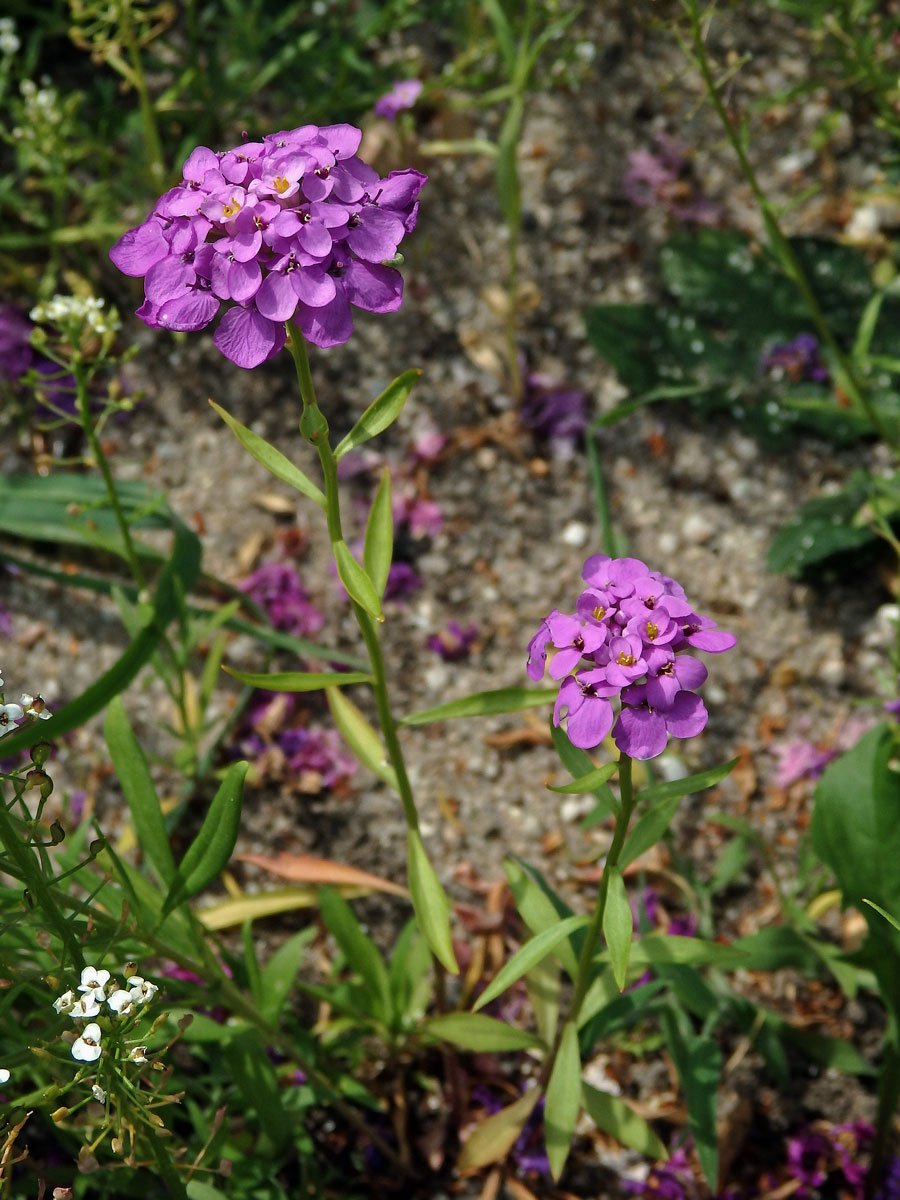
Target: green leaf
{"points": [[432, 908], [74, 510], [299, 681], [480, 1034], [254, 1076], [360, 736], [495, 1136], [503, 32], [534, 950], [358, 584], [689, 785], [822, 528], [648, 830], [281, 971], [506, 164], [273, 460], [699, 1065], [618, 925], [614, 1117], [176, 579], [485, 704], [380, 414], [587, 783], [563, 1100], [659, 948], [856, 822], [137, 786], [361, 953], [538, 911], [208, 854], [543, 985], [579, 765], [410, 973], [887, 916], [379, 546]]}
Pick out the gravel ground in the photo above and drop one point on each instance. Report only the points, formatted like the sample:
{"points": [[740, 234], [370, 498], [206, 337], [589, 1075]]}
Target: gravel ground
{"points": [[699, 501]]}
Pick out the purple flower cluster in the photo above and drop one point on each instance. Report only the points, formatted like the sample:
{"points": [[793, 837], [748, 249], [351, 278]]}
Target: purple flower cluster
{"points": [[277, 589], [294, 227], [18, 357], [799, 360], [403, 94], [454, 642], [628, 639], [828, 1155], [556, 412]]}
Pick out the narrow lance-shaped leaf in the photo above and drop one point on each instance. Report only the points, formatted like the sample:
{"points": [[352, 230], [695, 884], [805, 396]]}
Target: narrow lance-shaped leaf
{"points": [[358, 584], [273, 460], [563, 1100], [495, 1136], [278, 975], [380, 414], [534, 950], [618, 926], [614, 1117], [360, 736], [484, 704], [479, 1033], [137, 786], [251, 1069], [648, 830], [432, 908], [299, 681], [208, 854], [587, 783], [379, 545], [538, 911], [361, 953], [689, 785]]}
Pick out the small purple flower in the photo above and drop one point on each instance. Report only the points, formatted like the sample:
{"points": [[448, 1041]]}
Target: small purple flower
{"points": [[320, 751], [293, 228], [403, 94], [797, 361], [454, 642], [664, 178], [276, 587], [555, 412], [628, 641], [402, 581]]}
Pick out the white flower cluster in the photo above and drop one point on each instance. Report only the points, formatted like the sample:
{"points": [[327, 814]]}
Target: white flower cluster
{"points": [[9, 42], [28, 706], [66, 309], [121, 1001]]}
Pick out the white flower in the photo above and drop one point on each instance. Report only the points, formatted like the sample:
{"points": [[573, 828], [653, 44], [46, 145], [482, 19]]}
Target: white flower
{"points": [[138, 1054], [93, 982], [9, 714], [35, 707], [84, 1007], [4, 1075], [99, 1093], [142, 990], [9, 43], [1, 681], [87, 1048], [121, 1002], [65, 1002]]}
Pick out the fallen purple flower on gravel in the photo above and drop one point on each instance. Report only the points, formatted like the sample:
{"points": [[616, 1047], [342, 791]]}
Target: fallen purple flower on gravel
{"points": [[555, 412], [277, 589], [454, 642], [799, 361]]}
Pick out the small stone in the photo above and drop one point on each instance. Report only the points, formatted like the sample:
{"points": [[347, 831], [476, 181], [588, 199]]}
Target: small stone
{"points": [[576, 533]]}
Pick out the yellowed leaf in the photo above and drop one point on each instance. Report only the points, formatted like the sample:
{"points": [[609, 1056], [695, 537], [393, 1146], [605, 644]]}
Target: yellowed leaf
{"points": [[303, 868], [494, 1137], [264, 904]]}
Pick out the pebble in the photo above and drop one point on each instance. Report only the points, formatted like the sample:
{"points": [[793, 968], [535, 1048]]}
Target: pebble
{"points": [[576, 533]]}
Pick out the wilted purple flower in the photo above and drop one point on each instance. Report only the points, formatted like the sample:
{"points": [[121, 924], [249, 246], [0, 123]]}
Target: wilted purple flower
{"points": [[422, 517], [276, 587], [293, 228], [16, 353], [670, 1180], [454, 642], [801, 760], [555, 412], [628, 639], [403, 94], [402, 581], [798, 360], [320, 751], [664, 178]]}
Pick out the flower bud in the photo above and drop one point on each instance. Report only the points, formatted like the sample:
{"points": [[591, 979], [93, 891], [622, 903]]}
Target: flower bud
{"points": [[59, 1114], [40, 753]]}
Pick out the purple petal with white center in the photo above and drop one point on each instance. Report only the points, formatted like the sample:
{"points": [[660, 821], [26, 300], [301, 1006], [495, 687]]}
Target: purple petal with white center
{"points": [[640, 733], [244, 279], [190, 312], [687, 716], [248, 338], [139, 249], [313, 286], [372, 287], [276, 298], [330, 325], [377, 235]]}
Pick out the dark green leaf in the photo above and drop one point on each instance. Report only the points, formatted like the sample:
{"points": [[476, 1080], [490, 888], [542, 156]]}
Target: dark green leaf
{"points": [[563, 1100], [299, 681], [432, 908], [254, 1076], [698, 1063], [479, 1034], [273, 460], [648, 830], [361, 953], [534, 950], [618, 925], [614, 1117], [484, 704]]}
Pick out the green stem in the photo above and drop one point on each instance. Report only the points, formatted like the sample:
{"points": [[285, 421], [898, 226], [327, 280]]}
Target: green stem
{"points": [[152, 144], [87, 424], [846, 371], [314, 428], [585, 972]]}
